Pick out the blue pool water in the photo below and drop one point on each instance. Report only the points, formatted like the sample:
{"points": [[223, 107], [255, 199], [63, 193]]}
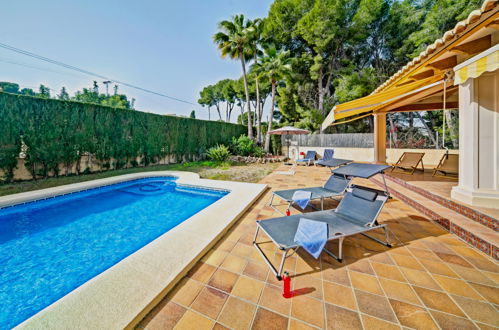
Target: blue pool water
{"points": [[50, 247]]}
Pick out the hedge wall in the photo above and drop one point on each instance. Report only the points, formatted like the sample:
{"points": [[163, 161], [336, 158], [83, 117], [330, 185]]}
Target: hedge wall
{"points": [[59, 132]]}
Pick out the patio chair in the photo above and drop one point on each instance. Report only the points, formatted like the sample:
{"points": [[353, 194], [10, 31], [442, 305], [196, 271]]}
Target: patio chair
{"points": [[328, 155], [309, 158], [409, 161], [334, 187], [356, 214], [449, 164]]}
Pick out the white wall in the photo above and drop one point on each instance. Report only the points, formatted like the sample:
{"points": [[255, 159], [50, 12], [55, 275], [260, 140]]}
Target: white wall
{"points": [[430, 159], [360, 154]]}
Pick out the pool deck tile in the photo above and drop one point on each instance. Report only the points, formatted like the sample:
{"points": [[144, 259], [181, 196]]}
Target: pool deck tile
{"points": [[272, 299], [237, 314], [430, 279], [223, 280], [186, 291], [190, 318], [268, 320], [209, 302]]}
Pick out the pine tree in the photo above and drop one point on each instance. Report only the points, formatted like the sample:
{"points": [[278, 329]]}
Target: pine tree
{"points": [[63, 95], [43, 91]]}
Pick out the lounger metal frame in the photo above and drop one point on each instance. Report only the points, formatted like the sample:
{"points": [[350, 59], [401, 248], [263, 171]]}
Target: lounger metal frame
{"points": [[278, 272], [371, 226]]}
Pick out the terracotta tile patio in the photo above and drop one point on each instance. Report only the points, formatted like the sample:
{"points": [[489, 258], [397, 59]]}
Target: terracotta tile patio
{"points": [[430, 279]]}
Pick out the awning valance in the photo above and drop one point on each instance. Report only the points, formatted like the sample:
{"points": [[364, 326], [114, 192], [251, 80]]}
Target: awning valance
{"points": [[378, 100], [486, 61]]}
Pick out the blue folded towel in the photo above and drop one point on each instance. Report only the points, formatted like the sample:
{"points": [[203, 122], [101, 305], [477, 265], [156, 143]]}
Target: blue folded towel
{"points": [[301, 197], [312, 236]]}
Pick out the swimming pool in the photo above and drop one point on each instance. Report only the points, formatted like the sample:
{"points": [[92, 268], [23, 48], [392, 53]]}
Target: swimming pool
{"points": [[50, 247]]}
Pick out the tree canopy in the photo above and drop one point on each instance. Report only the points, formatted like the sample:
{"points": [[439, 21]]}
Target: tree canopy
{"points": [[86, 95], [339, 50]]}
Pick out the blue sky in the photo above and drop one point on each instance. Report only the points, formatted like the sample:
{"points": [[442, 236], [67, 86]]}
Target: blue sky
{"points": [[164, 46]]}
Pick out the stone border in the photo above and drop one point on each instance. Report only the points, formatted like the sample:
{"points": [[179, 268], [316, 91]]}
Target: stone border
{"points": [[123, 294]]}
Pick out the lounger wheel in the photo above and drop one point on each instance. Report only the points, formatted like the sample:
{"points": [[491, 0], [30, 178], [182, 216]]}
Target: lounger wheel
{"points": [[279, 277]]}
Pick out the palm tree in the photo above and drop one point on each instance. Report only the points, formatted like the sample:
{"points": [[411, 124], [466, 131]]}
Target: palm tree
{"points": [[234, 40], [274, 66], [256, 38]]}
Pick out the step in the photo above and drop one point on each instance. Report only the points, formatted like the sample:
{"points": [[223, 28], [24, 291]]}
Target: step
{"points": [[464, 210], [474, 233]]}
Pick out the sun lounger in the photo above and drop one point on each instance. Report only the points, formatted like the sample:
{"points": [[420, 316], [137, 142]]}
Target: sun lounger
{"points": [[449, 164], [335, 186], [328, 155], [309, 158], [334, 162], [356, 214], [409, 161], [361, 170]]}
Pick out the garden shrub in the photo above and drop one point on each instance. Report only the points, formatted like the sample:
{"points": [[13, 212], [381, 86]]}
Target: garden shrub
{"points": [[244, 146], [219, 153], [258, 152]]}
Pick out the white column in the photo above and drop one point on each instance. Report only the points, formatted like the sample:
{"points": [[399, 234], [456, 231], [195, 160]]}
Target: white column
{"points": [[380, 138], [479, 141]]}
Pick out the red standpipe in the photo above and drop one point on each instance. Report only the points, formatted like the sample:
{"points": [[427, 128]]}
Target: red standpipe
{"points": [[288, 212], [286, 289]]}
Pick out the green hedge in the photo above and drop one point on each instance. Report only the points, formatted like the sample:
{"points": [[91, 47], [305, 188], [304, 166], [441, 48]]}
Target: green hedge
{"points": [[60, 132]]}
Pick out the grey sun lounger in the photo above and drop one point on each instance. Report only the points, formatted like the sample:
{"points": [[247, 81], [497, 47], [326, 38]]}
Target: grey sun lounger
{"points": [[361, 170], [309, 158], [356, 214], [334, 186], [334, 162], [328, 155]]}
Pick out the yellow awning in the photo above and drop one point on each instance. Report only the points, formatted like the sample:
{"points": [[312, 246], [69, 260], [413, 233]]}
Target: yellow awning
{"points": [[486, 61], [378, 100]]}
